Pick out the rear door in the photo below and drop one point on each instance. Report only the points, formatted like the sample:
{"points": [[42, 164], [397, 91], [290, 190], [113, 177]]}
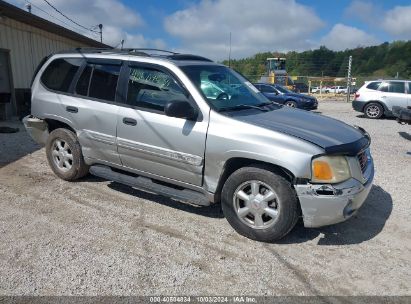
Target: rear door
{"points": [[94, 109], [152, 142], [393, 94]]}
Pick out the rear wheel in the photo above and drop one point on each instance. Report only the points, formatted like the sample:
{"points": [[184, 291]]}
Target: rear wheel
{"points": [[373, 110], [64, 155], [259, 203]]}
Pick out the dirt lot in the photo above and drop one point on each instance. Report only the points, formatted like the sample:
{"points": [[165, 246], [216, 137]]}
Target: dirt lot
{"points": [[95, 237]]}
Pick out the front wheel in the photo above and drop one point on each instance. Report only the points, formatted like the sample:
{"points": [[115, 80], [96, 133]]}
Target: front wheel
{"points": [[291, 104], [259, 204]]}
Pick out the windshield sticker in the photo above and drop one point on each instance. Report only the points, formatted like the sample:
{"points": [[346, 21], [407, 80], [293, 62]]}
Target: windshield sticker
{"points": [[250, 85]]}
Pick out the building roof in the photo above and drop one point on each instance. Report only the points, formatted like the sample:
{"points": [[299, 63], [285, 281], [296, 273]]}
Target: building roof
{"points": [[13, 12]]}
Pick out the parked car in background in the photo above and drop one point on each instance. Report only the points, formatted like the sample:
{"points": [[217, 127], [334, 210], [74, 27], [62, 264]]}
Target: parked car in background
{"points": [[376, 98], [300, 87], [337, 90], [286, 97], [317, 89]]}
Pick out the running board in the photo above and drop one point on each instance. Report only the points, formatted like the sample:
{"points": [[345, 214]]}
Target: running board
{"points": [[148, 185]]}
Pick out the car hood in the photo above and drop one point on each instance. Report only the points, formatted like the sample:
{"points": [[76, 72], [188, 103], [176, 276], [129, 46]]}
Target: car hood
{"points": [[334, 136], [297, 95]]}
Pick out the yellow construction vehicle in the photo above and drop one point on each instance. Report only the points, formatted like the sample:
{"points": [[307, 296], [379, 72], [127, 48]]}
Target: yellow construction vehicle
{"points": [[277, 73]]}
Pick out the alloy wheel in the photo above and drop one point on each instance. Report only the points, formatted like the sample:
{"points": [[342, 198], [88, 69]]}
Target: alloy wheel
{"points": [[62, 156], [256, 204]]}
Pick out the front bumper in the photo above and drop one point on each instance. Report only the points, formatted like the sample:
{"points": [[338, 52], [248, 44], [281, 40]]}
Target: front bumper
{"points": [[310, 105], [37, 129], [323, 205]]}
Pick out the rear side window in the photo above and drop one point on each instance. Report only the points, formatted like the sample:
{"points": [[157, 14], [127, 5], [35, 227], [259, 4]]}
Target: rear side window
{"points": [[384, 87], [409, 87], [396, 87], [60, 73], [373, 85], [99, 81]]}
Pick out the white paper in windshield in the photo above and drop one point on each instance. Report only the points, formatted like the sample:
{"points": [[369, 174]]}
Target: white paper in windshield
{"points": [[250, 85]]}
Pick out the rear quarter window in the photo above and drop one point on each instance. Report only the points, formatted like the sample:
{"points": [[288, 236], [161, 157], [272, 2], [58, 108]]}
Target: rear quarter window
{"points": [[60, 73], [373, 85]]}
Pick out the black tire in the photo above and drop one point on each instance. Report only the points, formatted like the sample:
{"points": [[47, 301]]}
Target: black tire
{"points": [[291, 104], [77, 167], [373, 110], [287, 204]]}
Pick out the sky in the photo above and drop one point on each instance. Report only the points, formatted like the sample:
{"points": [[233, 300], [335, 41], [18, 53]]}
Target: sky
{"points": [[203, 27]]}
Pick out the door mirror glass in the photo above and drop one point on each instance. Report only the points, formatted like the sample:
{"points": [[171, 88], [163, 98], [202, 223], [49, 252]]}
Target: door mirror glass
{"points": [[180, 109]]}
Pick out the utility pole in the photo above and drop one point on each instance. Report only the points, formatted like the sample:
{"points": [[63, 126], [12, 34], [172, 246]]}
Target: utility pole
{"points": [[100, 26], [229, 54], [349, 78]]}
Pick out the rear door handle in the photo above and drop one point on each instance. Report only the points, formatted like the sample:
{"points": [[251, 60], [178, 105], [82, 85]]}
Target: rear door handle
{"points": [[71, 109], [129, 121]]}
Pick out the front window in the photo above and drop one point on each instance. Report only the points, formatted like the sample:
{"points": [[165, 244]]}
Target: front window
{"points": [[397, 87], [283, 90], [223, 88], [151, 88]]}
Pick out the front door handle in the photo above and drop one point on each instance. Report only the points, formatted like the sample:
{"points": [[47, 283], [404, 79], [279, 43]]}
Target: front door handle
{"points": [[71, 109], [129, 121]]}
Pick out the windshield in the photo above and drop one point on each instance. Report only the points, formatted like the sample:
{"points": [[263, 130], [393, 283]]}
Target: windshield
{"points": [[282, 89], [223, 88]]}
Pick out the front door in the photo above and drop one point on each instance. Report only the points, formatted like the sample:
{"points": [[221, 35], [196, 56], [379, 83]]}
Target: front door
{"points": [[271, 93], [393, 94], [152, 142]]}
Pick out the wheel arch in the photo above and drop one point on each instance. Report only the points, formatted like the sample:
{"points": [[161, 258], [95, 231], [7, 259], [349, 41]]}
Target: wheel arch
{"points": [[53, 124], [378, 102], [235, 163]]}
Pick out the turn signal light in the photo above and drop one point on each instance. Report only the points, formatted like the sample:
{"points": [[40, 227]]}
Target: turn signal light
{"points": [[322, 170]]}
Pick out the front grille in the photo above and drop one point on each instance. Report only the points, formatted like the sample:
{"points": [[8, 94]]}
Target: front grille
{"points": [[363, 159]]}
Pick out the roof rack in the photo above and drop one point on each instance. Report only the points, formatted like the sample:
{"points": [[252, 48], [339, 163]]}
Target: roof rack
{"points": [[178, 56], [140, 52]]}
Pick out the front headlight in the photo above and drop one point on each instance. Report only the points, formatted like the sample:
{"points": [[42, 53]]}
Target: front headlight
{"points": [[330, 169]]}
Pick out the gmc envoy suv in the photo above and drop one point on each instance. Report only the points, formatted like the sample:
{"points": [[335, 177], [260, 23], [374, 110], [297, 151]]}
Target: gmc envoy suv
{"points": [[142, 118]]}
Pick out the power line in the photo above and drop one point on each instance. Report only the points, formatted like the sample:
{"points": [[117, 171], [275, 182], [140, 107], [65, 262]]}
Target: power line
{"points": [[47, 13], [68, 18]]}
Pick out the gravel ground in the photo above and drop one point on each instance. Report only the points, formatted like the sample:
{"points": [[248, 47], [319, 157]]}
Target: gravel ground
{"points": [[95, 237]]}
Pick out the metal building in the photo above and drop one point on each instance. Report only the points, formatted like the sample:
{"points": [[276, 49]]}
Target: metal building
{"points": [[25, 39]]}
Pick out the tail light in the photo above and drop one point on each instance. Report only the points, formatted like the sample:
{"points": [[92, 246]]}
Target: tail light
{"points": [[356, 95]]}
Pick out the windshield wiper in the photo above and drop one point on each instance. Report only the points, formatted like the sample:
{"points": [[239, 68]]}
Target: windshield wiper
{"points": [[247, 106]]}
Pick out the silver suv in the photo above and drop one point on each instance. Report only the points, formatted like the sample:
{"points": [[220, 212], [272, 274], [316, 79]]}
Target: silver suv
{"points": [[376, 98], [145, 120]]}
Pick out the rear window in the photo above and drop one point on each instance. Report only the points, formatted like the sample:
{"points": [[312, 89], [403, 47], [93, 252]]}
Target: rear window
{"points": [[373, 85], [103, 82], [59, 74]]}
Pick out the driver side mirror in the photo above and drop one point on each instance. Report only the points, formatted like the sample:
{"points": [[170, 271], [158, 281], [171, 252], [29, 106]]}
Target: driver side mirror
{"points": [[180, 109]]}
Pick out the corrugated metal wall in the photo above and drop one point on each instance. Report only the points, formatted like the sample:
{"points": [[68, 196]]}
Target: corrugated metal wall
{"points": [[28, 45]]}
